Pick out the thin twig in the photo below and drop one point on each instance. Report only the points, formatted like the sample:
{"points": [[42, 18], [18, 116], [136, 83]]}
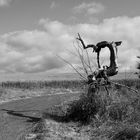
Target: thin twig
{"points": [[81, 59], [87, 55], [72, 67], [77, 56], [82, 56], [89, 61], [74, 54]]}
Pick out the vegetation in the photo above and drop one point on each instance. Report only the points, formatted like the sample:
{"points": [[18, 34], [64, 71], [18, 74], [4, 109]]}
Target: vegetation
{"points": [[99, 116], [115, 116], [73, 84], [111, 115], [138, 67], [41, 84]]}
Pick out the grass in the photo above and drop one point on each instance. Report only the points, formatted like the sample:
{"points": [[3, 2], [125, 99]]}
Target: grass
{"points": [[42, 84], [115, 116], [73, 84], [95, 116]]}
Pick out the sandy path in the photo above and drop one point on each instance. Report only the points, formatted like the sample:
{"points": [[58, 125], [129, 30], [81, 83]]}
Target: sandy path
{"points": [[22, 113]]}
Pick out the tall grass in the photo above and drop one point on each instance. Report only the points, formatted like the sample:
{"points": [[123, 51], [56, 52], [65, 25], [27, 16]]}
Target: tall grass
{"points": [[42, 84], [78, 84], [129, 82]]}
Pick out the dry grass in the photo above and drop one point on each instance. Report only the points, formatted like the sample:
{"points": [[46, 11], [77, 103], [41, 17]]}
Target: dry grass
{"points": [[108, 117], [91, 116], [72, 84]]}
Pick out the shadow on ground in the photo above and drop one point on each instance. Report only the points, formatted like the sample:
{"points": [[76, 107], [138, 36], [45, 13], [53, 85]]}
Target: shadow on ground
{"points": [[19, 114]]}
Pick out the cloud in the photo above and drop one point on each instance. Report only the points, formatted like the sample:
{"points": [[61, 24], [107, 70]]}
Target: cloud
{"points": [[53, 5], [37, 50], [5, 2], [89, 8], [29, 52]]}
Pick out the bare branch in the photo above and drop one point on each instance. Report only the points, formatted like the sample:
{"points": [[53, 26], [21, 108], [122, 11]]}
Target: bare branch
{"points": [[74, 54], [82, 59], [72, 67], [87, 56]]}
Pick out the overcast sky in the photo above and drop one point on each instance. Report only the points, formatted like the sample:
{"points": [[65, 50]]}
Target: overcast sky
{"points": [[34, 32]]}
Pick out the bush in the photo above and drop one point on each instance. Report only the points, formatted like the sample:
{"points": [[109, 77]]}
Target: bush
{"points": [[85, 108]]}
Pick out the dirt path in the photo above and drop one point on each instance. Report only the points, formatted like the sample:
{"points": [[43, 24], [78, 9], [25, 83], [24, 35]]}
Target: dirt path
{"points": [[18, 116]]}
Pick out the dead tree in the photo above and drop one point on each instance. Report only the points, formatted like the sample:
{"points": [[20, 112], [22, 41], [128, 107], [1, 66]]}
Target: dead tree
{"points": [[110, 70]]}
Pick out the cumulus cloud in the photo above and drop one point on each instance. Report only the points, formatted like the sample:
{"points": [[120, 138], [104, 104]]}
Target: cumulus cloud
{"points": [[89, 8], [29, 52], [37, 50], [5, 2]]}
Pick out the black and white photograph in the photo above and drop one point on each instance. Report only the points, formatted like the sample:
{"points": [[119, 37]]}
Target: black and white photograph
{"points": [[69, 70]]}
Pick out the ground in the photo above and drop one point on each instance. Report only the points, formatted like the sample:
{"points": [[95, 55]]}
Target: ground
{"points": [[25, 114], [19, 115]]}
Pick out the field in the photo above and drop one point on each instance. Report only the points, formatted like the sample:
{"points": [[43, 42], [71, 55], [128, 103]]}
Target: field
{"points": [[43, 110]]}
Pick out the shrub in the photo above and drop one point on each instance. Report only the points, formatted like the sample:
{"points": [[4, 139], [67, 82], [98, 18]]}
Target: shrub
{"points": [[86, 107]]}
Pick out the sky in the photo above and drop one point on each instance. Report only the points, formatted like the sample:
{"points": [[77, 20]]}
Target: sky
{"points": [[36, 36]]}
